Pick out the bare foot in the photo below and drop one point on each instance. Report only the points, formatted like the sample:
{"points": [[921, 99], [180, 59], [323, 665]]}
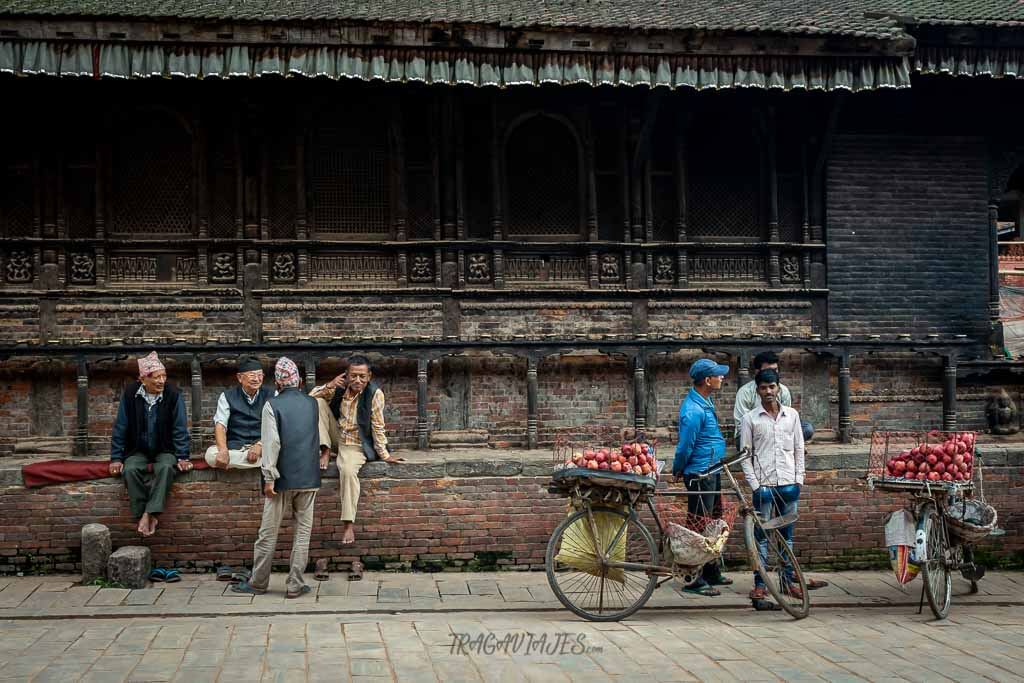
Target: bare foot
{"points": [[143, 527], [350, 533], [153, 521]]}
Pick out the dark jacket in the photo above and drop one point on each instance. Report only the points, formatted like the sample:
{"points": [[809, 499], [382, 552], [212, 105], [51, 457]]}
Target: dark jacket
{"points": [[363, 411], [298, 462], [244, 420], [131, 431]]}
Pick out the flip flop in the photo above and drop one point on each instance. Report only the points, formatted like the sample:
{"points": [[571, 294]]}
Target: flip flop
{"points": [[356, 572], [158, 575], [765, 606], [814, 584], [172, 575], [305, 590], [244, 587], [241, 575], [320, 573], [705, 590], [224, 572]]}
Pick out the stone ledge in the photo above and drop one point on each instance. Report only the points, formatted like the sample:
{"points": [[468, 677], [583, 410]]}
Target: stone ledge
{"points": [[467, 463]]}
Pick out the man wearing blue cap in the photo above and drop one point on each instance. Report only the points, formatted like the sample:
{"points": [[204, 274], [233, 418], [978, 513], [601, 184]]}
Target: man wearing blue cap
{"points": [[702, 446]]}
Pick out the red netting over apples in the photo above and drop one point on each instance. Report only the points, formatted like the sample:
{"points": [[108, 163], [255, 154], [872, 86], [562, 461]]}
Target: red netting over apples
{"points": [[917, 457]]}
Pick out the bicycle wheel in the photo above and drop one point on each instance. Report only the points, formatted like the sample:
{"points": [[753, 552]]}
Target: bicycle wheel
{"points": [[938, 584], [772, 570], [578, 576]]}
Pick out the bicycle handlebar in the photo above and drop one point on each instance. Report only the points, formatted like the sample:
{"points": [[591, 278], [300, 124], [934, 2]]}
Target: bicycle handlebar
{"points": [[745, 454]]}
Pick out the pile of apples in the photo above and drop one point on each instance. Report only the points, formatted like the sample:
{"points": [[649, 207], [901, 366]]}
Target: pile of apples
{"points": [[949, 461], [630, 458]]}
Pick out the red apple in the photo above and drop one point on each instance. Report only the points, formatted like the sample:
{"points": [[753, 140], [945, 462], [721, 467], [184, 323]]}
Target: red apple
{"points": [[591, 464], [933, 476], [921, 476], [941, 468], [947, 477], [616, 466], [932, 459], [603, 465], [924, 468], [911, 466], [601, 457], [627, 468]]}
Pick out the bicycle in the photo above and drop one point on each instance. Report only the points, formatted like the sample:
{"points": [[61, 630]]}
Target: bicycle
{"points": [[604, 564]]}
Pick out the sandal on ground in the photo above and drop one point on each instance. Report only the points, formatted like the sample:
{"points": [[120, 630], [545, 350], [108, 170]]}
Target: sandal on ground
{"points": [[814, 584], [705, 590], [721, 581], [244, 587], [158, 575], [305, 590], [172, 575], [224, 572], [758, 593], [320, 573], [241, 575], [356, 572]]}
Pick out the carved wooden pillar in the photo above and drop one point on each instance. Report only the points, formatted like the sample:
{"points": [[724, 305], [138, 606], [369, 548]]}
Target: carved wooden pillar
{"points": [[82, 419], [845, 435], [682, 256], [592, 233], [949, 421], [743, 371], [770, 142], [103, 157], [993, 262], [460, 180], [640, 391], [201, 156], [497, 193], [435, 163], [196, 372], [623, 150], [310, 367], [239, 160], [531, 402], [422, 425], [301, 217], [264, 188], [805, 224]]}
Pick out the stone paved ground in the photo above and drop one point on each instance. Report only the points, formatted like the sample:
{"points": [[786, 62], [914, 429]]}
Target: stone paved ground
{"points": [[980, 642], [201, 595]]}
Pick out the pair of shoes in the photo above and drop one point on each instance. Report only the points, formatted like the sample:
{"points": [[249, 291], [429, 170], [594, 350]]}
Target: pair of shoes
{"points": [[320, 573], [702, 589], [356, 572], [224, 572], [160, 575], [759, 593], [814, 584], [305, 590], [244, 587], [793, 589]]}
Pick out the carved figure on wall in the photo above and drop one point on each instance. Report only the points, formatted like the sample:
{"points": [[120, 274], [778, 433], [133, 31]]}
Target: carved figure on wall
{"points": [[223, 268], [609, 271], [18, 267], [284, 267], [479, 268], [422, 269], [83, 269], [664, 269], [790, 268], [1001, 413]]}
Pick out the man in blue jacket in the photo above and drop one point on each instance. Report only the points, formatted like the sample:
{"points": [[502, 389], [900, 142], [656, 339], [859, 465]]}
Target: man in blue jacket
{"points": [[702, 446]]}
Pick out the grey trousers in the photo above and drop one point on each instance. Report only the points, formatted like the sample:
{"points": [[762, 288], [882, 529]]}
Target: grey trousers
{"points": [[300, 501]]}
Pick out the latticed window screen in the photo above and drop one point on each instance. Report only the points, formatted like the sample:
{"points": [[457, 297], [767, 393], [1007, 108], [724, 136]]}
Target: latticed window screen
{"points": [[152, 179], [664, 207], [349, 185], [419, 193], [16, 201], [723, 181], [542, 176], [282, 200], [223, 184]]}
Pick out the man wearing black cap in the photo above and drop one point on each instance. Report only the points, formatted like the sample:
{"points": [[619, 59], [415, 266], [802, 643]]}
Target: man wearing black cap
{"points": [[236, 424], [701, 446]]}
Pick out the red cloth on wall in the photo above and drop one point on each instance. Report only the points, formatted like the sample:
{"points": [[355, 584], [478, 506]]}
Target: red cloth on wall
{"points": [[63, 471]]}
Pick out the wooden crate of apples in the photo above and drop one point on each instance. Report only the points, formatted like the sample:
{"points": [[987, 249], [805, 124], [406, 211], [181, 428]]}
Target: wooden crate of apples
{"points": [[941, 457]]}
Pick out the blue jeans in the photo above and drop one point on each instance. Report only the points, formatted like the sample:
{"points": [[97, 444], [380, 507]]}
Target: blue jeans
{"points": [[771, 501]]}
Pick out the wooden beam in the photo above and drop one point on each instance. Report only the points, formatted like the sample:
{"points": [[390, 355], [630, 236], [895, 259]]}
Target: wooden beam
{"points": [[531, 401], [845, 434], [82, 417], [949, 412], [422, 424]]}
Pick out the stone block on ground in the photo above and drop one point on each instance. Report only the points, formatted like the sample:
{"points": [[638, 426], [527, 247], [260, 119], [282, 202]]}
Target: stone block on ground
{"points": [[95, 552], [129, 566]]}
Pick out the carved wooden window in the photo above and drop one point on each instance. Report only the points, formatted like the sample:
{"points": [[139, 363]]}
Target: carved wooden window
{"points": [[17, 196], [152, 182], [349, 179], [608, 130], [282, 182], [542, 177], [78, 190], [479, 167], [724, 178], [222, 181]]}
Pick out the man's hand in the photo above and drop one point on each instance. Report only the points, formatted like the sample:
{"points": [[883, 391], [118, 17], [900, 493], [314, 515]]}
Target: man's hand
{"points": [[268, 489], [392, 459], [254, 453], [339, 382], [116, 467], [222, 460], [184, 465]]}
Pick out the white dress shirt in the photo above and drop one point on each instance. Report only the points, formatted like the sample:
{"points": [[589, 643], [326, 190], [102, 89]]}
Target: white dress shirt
{"points": [[778, 445]]}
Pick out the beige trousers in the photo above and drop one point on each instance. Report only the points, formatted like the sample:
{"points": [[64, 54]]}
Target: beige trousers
{"points": [[237, 459], [300, 501], [350, 460]]}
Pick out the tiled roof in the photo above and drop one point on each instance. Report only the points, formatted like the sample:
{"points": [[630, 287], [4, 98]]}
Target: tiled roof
{"points": [[867, 18], [808, 17]]}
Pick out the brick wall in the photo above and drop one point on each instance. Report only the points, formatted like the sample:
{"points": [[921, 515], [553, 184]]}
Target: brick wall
{"points": [[20, 321], [533, 319], [908, 235], [189, 318], [456, 521], [350, 318], [741, 318]]}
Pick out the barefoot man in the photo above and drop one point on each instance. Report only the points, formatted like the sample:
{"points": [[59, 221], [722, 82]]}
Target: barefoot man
{"points": [[150, 429], [352, 422]]}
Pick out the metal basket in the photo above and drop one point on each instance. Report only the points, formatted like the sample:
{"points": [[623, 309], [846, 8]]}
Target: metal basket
{"points": [[888, 444]]}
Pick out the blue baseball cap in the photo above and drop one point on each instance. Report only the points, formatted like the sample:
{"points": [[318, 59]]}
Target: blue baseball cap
{"points": [[705, 367]]}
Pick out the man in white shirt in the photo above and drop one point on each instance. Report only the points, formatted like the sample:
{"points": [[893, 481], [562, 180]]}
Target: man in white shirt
{"points": [[776, 470], [236, 424], [747, 400]]}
